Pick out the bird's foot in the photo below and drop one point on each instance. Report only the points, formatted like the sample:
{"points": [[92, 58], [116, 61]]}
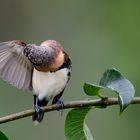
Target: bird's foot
{"points": [[39, 113], [38, 116], [60, 104]]}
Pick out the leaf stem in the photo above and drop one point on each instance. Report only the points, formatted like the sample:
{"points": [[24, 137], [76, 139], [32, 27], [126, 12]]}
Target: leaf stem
{"points": [[100, 96]]}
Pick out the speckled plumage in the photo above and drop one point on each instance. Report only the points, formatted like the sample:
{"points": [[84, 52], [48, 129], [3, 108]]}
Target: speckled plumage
{"points": [[40, 56]]}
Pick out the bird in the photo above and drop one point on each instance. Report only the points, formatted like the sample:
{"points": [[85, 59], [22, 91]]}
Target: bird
{"points": [[43, 69]]}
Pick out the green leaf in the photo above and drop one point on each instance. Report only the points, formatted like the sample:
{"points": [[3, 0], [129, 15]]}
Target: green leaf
{"points": [[2, 136], [75, 127], [115, 81], [112, 79], [91, 89]]}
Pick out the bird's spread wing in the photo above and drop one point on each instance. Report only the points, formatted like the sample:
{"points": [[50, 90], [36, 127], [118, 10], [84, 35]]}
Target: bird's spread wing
{"points": [[15, 68]]}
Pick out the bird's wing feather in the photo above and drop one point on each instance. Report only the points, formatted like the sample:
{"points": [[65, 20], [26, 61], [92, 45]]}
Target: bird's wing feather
{"points": [[15, 68]]}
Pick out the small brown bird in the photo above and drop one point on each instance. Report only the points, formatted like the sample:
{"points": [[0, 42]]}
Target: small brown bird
{"points": [[44, 70]]}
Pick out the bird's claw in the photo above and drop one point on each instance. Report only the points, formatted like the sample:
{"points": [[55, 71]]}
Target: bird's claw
{"points": [[60, 104], [39, 113]]}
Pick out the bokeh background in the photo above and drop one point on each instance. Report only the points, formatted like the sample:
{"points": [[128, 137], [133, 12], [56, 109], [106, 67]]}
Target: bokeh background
{"points": [[97, 34]]}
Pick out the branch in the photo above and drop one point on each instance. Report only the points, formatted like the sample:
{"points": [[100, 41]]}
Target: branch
{"points": [[72, 104]]}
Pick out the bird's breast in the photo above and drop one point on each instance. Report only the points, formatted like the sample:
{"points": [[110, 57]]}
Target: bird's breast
{"points": [[49, 84]]}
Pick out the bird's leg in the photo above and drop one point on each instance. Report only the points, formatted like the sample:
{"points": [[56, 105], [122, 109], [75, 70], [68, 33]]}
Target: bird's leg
{"points": [[36, 106], [60, 104], [39, 113]]}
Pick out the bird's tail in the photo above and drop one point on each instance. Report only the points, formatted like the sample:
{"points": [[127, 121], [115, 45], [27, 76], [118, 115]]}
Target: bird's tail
{"points": [[38, 116]]}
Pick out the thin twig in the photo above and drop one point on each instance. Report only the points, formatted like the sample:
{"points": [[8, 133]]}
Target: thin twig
{"points": [[72, 104]]}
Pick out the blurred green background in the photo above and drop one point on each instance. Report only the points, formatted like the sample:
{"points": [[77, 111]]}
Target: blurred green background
{"points": [[97, 34]]}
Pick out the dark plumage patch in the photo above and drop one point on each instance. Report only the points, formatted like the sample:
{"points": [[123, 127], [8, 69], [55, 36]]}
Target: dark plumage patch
{"points": [[42, 103], [67, 62], [57, 97], [69, 74]]}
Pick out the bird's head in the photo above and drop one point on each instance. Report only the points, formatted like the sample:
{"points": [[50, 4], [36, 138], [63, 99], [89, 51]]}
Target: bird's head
{"points": [[58, 52]]}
